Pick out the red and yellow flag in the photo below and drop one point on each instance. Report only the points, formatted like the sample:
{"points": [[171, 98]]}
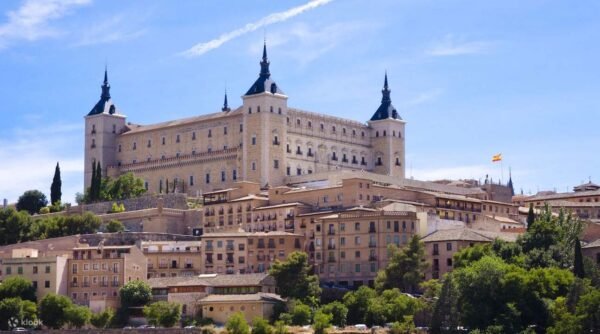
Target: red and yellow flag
{"points": [[497, 157]]}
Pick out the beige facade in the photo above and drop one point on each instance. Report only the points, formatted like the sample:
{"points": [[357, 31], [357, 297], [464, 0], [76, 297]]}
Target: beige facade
{"points": [[48, 274], [262, 141], [220, 307], [172, 258], [247, 252], [349, 247], [189, 291], [95, 274]]}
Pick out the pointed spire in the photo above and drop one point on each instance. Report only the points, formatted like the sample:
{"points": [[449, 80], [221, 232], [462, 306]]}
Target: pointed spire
{"points": [[264, 63], [225, 105], [510, 182], [105, 86], [385, 92]]}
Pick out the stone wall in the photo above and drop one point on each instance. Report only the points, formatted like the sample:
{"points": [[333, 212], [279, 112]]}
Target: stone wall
{"points": [[172, 201], [131, 238]]}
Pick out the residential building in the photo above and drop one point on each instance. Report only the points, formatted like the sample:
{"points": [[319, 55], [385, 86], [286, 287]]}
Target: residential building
{"points": [[95, 274], [172, 258], [48, 274]]}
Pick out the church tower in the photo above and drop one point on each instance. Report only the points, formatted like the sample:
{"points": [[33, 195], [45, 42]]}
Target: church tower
{"points": [[387, 137], [264, 120], [102, 126]]}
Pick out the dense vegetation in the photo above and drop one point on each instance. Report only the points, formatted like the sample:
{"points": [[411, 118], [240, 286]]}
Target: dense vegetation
{"points": [[106, 189]]}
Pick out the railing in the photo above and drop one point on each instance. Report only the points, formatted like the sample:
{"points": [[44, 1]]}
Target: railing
{"points": [[372, 257], [330, 246], [331, 232], [371, 230], [372, 244]]}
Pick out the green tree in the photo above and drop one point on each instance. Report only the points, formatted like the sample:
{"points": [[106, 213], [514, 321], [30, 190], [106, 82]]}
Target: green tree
{"points": [[357, 303], [17, 287], [405, 269], [93, 190], [322, 321], [53, 310], [446, 312], [135, 294], [294, 279], [15, 226], [98, 181], [564, 322], [578, 269], [280, 327], [32, 201], [530, 216], [55, 188], [15, 308], [163, 313], [124, 187], [114, 226], [261, 326], [78, 316], [300, 314], [102, 319], [236, 324], [338, 312], [588, 308], [390, 306]]}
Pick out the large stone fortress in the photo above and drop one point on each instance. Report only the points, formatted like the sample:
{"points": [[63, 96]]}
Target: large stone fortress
{"points": [[262, 141]]}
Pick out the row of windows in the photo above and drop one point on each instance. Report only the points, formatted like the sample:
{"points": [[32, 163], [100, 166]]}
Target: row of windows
{"points": [[177, 138], [34, 270], [309, 125]]}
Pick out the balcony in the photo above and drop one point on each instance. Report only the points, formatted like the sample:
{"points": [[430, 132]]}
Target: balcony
{"points": [[189, 266], [114, 284], [260, 245], [331, 259], [163, 266], [271, 245], [435, 252], [230, 248], [330, 246], [372, 230], [208, 262], [331, 232], [74, 284], [372, 244], [104, 284], [209, 248], [372, 257], [260, 257]]}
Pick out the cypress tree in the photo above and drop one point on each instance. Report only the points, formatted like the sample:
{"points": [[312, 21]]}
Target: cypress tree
{"points": [[578, 262], [98, 180], [92, 192], [530, 216], [55, 188]]}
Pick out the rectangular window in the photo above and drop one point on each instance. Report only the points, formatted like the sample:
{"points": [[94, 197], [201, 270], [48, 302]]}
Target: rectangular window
{"points": [[225, 130], [191, 180], [234, 175], [357, 226], [209, 133], [449, 246], [357, 267], [253, 140], [47, 269], [276, 164], [207, 178], [222, 176], [35, 269], [47, 284]]}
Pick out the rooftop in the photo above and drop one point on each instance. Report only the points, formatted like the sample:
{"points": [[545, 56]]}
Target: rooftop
{"points": [[261, 296]]}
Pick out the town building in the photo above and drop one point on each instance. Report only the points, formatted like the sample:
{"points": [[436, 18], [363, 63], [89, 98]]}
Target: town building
{"points": [[95, 274], [442, 244], [172, 258], [191, 292], [48, 274]]}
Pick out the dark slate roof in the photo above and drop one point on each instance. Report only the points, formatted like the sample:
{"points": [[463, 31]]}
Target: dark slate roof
{"points": [[105, 104], [386, 109], [264, 83]]}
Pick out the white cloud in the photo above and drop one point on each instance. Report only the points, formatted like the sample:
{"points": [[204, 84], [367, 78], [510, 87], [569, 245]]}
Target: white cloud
{"points": [[114, 29], [30, 21], [29, 156], [305, 43], [201, 48], [451, 45]]}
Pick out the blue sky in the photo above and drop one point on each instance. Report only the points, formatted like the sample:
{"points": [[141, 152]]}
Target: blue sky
{"points": [[471, 78]]}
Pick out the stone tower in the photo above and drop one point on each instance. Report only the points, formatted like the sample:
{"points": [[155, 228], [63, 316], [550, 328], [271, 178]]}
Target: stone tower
{"points": [[264, 121], [102, 126], [387, 137]]}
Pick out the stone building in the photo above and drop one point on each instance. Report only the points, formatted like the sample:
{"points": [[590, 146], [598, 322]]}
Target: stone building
{"points": [[263, 141], [95, 274]]}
